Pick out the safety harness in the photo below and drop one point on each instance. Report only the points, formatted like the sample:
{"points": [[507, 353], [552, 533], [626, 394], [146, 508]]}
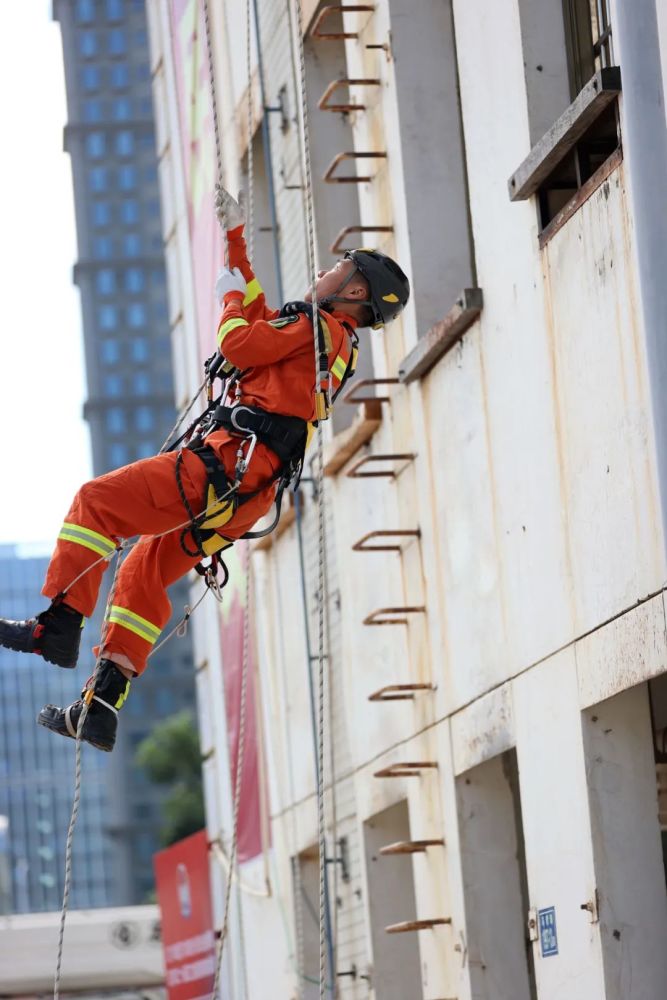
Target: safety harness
{"points": [[286, 436]]}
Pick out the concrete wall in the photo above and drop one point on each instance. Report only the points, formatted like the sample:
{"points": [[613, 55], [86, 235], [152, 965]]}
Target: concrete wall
{"points": [[540, 558]]}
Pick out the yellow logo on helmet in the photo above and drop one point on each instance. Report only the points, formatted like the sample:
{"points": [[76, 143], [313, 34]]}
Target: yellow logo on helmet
{"points": [[390, 298]]}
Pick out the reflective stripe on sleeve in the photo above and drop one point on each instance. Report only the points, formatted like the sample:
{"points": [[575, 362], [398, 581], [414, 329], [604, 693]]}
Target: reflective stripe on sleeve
{"points": [[339, 367], [88, 538], [135, 623], [228, 326], [253, 291]]}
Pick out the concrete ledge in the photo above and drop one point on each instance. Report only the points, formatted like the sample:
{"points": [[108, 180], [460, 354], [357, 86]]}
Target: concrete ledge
{"points": [[442, 336], [553, 147]]}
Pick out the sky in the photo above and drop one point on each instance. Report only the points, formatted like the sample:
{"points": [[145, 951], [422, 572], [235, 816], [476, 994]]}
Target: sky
{"points": [[45, 443]]}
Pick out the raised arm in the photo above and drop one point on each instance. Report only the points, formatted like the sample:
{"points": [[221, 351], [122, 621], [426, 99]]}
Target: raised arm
{"points": [[231, 213]]}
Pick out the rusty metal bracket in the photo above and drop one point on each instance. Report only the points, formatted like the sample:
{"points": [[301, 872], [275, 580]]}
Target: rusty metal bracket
{"points": [[410, 847], [374, 617], [324, 105], [399, 692], [354, 473], [341, 8], [352, 397], [337, 248], [405, 769], [361, 545], [416, 925], [350, 178]]}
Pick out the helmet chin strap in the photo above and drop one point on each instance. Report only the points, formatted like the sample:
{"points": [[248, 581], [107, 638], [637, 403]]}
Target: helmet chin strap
{"points": [[336, 297]]}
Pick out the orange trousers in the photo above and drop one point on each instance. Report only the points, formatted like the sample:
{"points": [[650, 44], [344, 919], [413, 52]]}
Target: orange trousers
{"points": [[143, 499]]}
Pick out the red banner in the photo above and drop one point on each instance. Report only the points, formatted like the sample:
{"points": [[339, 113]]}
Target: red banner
{"points": [[184, 895], [199, 162]]}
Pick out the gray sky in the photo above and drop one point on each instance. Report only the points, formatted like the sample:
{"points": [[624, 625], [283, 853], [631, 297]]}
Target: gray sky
{"points": [[45, 450]]}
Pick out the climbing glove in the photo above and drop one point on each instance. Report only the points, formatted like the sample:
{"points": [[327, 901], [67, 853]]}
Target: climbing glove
{"points": [[229, 281], [230, 212]]}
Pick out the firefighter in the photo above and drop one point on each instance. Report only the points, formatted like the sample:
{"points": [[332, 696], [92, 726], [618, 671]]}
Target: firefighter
{"points": [[152, 498]]}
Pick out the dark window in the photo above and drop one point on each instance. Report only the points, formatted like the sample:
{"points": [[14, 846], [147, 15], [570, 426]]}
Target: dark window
{"points": [[118, 454], [110, 351], [97, 178], [134, 280], [90, 77], [114, 10], [141, 384], [136, 314], [143, 418], [101, 212], [127, 178], [92, 109], [105, 281], [145, 449], [129, 212], [112, 385], [121, 109], [588, 40], [124, 143], [139, 351], [116, 42], [120, 76], [88, 44], [107, 317], [85, 11], [115, 420], [132, 245], [102, 247], [95, 144]]}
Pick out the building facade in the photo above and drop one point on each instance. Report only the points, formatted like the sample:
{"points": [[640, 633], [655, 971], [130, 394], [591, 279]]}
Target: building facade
{"points": [[130, 407], [497, 647], [37, 776]]}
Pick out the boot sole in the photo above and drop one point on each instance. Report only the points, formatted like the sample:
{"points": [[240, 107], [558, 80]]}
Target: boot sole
{"points": [[38, 652], [53, 729]]}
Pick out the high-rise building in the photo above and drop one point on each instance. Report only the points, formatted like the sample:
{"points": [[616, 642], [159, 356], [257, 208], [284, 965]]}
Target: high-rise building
{"points": [[37, 773], [130, 406]]}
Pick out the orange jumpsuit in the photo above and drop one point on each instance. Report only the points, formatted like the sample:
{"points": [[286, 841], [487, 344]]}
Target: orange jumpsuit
{"points": [[143, 498]]}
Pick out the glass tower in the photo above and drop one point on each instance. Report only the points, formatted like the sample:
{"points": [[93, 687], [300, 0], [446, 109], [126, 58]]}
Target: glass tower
{"points": [[37, 772]]}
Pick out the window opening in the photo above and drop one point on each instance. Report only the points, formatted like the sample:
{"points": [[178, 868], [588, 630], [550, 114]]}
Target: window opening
{"points": [[120, 76], [101, 212], [90, 78], [588, 40]]}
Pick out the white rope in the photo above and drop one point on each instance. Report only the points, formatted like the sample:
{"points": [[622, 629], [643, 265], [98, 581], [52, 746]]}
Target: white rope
{"points": [[319, 477], [237, 780], [77, 791]]}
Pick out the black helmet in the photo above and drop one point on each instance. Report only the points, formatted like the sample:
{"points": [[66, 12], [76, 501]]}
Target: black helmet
{"points": [[389, 287]]}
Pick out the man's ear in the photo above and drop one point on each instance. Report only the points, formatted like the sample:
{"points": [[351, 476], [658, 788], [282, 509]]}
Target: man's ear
{"points": [[358, 291]]}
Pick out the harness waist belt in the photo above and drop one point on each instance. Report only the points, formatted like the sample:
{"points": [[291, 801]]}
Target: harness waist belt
{"points": [[286, 436]]}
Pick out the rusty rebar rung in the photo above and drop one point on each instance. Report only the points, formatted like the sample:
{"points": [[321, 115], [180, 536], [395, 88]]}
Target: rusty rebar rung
{"points": [[410, 847], [409, 609], [336, 248], [361, 546], [350, 178], [342, 8], [352, 397], [404, 692], [323, 103], [353, 473], [416, 925], [405, 769]]}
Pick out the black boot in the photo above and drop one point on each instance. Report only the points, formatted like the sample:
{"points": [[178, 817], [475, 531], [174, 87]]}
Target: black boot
{"points": [[99, 726], [55, 634]]}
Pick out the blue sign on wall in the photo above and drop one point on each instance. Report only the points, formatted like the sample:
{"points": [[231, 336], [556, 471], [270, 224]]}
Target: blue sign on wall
{"points": [[548, 935]]}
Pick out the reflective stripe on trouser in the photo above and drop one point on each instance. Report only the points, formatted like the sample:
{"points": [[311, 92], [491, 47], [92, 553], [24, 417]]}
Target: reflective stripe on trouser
{"points": [[92, 540], [143, 499]]}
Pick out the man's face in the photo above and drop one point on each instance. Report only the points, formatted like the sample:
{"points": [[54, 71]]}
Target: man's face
{"points": [[328, 283]]}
